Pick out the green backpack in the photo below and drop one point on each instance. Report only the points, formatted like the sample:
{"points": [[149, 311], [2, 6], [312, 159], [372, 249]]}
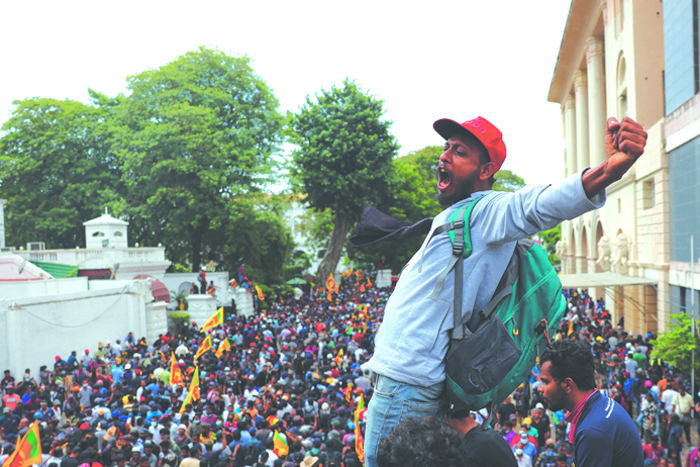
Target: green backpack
{"points": [[484, 365]]}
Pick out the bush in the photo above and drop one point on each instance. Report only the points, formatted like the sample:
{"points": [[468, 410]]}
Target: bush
{"points": [[176, 319]]}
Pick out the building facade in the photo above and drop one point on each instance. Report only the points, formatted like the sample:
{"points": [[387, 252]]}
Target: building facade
{"points": [[611, 63], [682, 133]]}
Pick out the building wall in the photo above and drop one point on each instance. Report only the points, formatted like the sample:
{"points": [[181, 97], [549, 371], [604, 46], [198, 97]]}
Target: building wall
{"points": [[629, 35], [684, 172], [679, 25], [36, 328]]}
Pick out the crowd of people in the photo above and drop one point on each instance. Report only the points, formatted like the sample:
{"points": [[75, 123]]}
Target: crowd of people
{"points": [[287, 392]]}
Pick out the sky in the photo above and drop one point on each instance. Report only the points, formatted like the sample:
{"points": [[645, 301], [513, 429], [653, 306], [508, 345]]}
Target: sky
{"points": [[426, 60]]}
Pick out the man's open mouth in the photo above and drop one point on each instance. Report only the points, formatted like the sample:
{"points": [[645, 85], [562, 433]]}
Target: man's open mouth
{"points": [[443, 177]]}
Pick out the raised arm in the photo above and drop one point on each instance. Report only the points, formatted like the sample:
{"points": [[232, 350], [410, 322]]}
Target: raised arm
{"points": [[624, 144]]}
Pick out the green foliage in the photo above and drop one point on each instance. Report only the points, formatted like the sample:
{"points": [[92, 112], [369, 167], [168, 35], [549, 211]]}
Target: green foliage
{"points": [[550, 238], [55, 171], [343, 158], [179, 317], [414, 199], [676, 345], [507, 181], [344, 153], [192, 135], [177, 267]]}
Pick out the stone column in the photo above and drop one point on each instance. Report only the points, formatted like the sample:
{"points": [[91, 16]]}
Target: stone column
{"points": [[581, 89], [596, 98], [571, 134]]}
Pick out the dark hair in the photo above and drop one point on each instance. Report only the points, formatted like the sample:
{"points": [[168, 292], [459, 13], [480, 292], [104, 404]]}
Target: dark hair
{"points": [[422, 442], [571, 359]]}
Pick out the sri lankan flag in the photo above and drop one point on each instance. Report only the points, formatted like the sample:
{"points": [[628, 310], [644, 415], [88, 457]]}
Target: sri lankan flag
{"points": [[193, 394], [348, 392], [28, 450], [260, 294], [214, 320], [281, 448], [330, 283], [206, 345], [359, 442], [225, 345], [339, 358], [369, 282], [175, 373]]}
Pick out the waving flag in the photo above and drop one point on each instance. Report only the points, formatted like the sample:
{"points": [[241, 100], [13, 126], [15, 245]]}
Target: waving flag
{"points": [[260, 294], [214, 320], [225, 345], [175, 373], [330, 283], [359, 442], [281, 448], [28, 450], [339, 358], [206, 345]]}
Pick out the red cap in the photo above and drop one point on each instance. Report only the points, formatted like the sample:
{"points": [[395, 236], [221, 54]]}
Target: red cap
{"points": [[490, 136]]}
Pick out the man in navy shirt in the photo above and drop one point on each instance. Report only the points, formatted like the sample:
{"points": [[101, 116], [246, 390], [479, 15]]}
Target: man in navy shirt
{"points": [[602, 432]]}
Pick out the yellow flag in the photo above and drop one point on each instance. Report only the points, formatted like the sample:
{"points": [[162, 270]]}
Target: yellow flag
{"points": [[175, 373], [339, 358], [260, 294], [330, 283], [206, 345], [214, 320], [225, 345]]}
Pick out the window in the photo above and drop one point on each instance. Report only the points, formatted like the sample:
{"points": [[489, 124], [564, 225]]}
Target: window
{"points": [[118, 233], [98, 234], [648, 194]]}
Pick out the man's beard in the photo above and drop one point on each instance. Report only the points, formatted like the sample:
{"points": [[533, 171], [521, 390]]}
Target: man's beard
{"points": [[464, 192]]}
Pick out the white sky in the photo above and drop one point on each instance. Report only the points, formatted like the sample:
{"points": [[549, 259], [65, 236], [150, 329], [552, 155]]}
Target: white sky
{"points": [[427, 60]]}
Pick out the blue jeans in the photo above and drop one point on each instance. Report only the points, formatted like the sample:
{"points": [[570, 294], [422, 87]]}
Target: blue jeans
{"points": [[393, 402]]}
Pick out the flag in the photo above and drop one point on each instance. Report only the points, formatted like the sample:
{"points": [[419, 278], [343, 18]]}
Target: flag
{"points": [[281, 448], [358, 274], [336, 288], [329, 297], [193, 393], [28, 450], [225, 345], [362, 288], [163, 357], [214, 320], [330, 283], [348, 392], [272, 420], [359, 443], [206, 345], [339, 358], [369, 283], [175, 373], [260, 294]]}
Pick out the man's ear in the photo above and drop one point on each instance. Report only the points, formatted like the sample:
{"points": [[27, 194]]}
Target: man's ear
{"points": [[568, 385], [486, 171]]}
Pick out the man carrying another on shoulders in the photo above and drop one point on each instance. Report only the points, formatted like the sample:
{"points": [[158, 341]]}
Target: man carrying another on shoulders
{"points": [[602, 432], [483, 447], [413, 340]]}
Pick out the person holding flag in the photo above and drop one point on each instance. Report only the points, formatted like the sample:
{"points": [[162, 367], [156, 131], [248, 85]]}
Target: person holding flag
{"points": [[206, 345], [175, 373], [225, 345], [28, 450]]}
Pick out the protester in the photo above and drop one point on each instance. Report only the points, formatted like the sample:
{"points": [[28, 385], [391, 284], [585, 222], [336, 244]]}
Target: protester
{"points": [[411, 371]]}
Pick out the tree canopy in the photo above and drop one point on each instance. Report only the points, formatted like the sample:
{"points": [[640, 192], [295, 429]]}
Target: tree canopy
{"points": [[343, 157]]}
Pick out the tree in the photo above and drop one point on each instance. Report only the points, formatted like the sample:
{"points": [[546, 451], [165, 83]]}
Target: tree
{"points": [[414, 198], [550, 238], [676, 345], [507, 181], [55, 170], [192, 135], [343, 158]]}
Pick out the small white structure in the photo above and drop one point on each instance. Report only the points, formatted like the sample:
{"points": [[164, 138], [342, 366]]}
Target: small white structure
{"points": [[105, 231]]}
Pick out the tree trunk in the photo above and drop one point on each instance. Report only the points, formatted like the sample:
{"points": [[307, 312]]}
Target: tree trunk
{"points": [[197, 250], [335, 249]]}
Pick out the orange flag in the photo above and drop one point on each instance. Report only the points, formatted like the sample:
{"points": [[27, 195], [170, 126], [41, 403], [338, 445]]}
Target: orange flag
{"points": [[214, 320], [330, 283], [369, 283], [359, 442], [362, 288], [260, 294], [206, 345], [175, 373], [28, 450], [225, 345], [329, 297]]}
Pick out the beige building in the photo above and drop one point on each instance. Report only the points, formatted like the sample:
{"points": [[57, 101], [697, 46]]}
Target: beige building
{"points": [[611, 63]]}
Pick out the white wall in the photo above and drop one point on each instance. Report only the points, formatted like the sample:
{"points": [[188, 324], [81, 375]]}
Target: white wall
{"points": [[173, 281], [34, 329]]}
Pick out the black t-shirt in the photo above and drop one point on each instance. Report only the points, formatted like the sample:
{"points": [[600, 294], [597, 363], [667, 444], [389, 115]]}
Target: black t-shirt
{"points": [[542, 429], [504, 410], [486, 448]]}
